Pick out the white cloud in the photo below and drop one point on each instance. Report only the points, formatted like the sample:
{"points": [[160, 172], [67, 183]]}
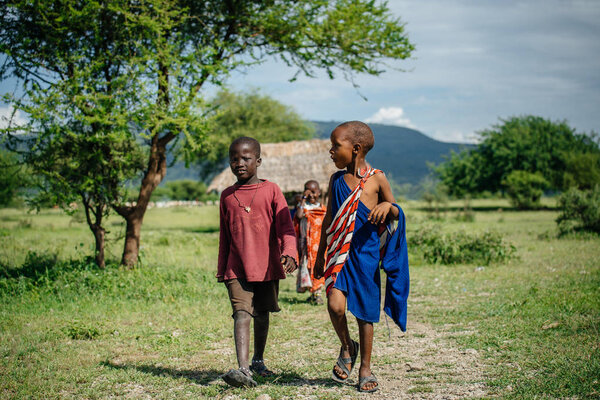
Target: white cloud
{"points": [[6, 113], [390, 116], [454, 136]]}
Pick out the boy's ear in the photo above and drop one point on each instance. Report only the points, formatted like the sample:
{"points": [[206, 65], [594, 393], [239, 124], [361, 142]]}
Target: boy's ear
{"points": [[357, 148], [258, 161]]}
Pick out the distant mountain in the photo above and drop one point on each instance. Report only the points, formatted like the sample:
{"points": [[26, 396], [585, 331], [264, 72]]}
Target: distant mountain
{"points": [[402, 153]]}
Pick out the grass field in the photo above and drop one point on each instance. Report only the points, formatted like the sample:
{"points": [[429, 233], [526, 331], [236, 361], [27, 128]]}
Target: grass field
{"points": [[163, 330]]}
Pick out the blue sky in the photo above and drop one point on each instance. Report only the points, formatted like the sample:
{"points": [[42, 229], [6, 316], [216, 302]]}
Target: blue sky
{"points": [[476, 61]]}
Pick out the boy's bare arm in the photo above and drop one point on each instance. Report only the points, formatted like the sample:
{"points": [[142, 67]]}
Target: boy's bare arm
{"points": [[384, 208], [320, 261]]}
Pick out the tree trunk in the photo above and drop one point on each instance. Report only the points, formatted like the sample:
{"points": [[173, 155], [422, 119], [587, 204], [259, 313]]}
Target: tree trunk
{"points": [[134, 215], [132, 239], [99, 234], [97, 211]]}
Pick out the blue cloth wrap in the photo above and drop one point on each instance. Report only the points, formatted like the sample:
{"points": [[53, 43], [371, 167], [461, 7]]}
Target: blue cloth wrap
{"points": [[360, 278]]}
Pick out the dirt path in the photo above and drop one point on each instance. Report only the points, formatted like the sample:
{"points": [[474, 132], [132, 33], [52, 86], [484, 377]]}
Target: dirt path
{"points": [[434, 368], [422, 363]]}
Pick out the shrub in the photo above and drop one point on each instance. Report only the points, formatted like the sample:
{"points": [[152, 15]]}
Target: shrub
{"points": [[460, 247], [579, 210], [525, 188]]}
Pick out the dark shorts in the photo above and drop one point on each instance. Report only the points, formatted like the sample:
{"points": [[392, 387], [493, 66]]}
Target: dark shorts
{"points": [[253, 297]]}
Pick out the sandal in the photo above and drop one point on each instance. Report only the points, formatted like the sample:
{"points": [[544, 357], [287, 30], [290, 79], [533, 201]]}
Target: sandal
{"points": [[367, 379], [260, 369], [239, 378], [341, 363]]}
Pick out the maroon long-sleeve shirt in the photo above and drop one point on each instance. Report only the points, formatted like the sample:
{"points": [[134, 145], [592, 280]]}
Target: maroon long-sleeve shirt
{"points": [[252, 243]]}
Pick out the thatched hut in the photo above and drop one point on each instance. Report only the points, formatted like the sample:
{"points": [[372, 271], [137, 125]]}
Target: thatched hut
{"points": [[289, 165]]}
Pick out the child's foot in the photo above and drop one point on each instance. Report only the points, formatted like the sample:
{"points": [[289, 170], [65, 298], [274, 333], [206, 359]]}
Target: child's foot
{"points": [[368, 384], [241, 377], [315, 299], [260, 369], [344, 365]]}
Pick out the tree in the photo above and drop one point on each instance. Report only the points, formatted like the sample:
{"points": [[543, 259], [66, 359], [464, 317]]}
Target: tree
{"points": [[138, 69], [88, 168], [249, 114], [529, 143], [12, 178], [582, 170], [525, 188]]}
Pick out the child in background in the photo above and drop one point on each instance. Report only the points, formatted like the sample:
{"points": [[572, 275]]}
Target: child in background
{"points": [[357, 240], [294, 206], [257, 247], [308, 220]]}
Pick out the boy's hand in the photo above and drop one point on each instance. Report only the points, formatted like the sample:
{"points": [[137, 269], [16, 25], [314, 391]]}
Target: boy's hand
{"points": [[288, 263], [380, 212], [318, 268]]}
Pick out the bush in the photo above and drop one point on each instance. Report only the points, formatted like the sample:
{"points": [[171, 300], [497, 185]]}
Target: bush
{"points": [[525, 188], [579, 210], [460, 247]]}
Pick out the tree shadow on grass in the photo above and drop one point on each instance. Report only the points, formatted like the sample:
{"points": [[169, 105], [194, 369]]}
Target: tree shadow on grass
{"points": [[201, 377], [291, 300], [45, 267], [207, 377]]}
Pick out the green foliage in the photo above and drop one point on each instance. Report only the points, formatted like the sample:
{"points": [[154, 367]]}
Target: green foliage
{"points": [[251, 114], [434, 194], [579, 210], [78, 167], [582, 170], [532, 144], [460, 173], [13, 178], [525, 189], [460, 247]]}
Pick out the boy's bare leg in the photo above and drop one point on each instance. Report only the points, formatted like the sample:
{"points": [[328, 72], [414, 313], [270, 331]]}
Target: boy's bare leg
{"points": [[241, 334], [336, 305], [365, 331], [261, 331]]}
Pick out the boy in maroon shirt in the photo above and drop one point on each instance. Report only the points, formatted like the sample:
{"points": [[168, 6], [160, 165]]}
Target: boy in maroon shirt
{"points": [[257, 247]]}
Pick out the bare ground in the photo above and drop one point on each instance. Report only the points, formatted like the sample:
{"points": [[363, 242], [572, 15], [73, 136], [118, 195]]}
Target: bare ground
{"points": [[436, 368], [422, 363]]}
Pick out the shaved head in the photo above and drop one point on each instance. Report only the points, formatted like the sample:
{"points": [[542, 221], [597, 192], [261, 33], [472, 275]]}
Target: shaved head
{"points": [[359, 133], [245, 140], [311, 183]]}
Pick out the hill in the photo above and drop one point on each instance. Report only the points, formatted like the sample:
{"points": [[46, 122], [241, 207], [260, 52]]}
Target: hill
{"points": [[402, 153]]}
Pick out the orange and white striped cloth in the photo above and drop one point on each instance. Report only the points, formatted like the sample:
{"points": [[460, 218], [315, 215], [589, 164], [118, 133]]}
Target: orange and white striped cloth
{"points": [[341, 230]]}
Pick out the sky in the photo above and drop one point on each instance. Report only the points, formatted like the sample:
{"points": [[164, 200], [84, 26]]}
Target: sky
{"points": [[476, 62]]}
